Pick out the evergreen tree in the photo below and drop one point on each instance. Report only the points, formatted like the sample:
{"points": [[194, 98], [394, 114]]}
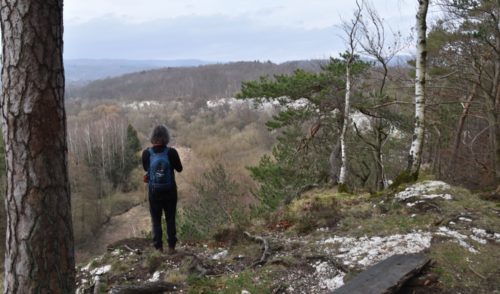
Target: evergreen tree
{"points": [[302, 154], [131, 149]]}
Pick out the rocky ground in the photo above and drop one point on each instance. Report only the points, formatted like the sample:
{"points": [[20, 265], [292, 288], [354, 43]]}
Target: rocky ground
{"points": [[319, 242]]}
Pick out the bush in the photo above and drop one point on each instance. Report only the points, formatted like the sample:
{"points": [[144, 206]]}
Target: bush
{"points": [[219, 202]]}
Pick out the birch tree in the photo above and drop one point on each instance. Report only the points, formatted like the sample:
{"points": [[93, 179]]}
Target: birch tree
{"points": [[415, 154], [39, 254], [350, 29]]}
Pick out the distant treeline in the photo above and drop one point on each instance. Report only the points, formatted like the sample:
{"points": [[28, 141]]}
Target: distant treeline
{"points": [[202, 82]]}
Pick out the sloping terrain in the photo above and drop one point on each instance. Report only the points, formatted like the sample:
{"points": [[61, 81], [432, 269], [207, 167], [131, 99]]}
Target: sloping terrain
{"points": [[322, 240], [201, 82]]}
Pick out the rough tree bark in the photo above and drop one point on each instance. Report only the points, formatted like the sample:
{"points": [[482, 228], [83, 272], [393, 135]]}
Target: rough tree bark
{"points": [[415, 154], [39, 254]]}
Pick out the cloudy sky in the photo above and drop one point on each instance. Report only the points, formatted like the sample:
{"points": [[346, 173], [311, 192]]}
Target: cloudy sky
{"points": [[216, 30]]}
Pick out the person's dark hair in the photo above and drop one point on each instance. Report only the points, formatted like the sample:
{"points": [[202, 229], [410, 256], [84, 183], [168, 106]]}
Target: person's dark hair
{"points": [[160, 135]]}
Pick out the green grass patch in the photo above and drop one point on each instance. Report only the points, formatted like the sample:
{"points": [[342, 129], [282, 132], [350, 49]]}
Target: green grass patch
{"points": [[379, 225], [320, 208], [483, 213], [466, 272]]}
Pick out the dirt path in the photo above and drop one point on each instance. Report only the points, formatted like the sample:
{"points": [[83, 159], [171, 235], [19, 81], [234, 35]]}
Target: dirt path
{"points": [[135, 222]]}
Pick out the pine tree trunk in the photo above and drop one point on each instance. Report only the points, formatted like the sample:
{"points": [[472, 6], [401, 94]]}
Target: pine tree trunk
{"points": [[39, 254], [415, 154]]}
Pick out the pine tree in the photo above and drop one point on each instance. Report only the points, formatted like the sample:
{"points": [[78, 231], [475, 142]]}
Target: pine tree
{"points": [[39, 255], [132, 147]]}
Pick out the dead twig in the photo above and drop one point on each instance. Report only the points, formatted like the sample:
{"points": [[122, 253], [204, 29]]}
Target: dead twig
{"points": [[279, 289], [434, 206], [476, 273], [265, 248], [136, 251]]}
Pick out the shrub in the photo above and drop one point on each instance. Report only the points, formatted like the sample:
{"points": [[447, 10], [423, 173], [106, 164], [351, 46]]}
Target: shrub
{"points": [[219, 202]]}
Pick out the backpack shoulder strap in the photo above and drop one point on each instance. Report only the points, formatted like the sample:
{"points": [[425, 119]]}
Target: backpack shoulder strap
{"points": [[151, 152]]}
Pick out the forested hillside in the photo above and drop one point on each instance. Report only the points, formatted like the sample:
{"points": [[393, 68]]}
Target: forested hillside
{"points": [[187, 83], [82, 71]]}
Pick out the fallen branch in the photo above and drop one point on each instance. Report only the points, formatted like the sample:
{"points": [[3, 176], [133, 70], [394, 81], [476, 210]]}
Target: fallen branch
{"points": [[434, 206], [476, 273], [203, 271], [196, 265], [136, 251], [279, 289], [265, 247], [97, 285], [148, 287]]}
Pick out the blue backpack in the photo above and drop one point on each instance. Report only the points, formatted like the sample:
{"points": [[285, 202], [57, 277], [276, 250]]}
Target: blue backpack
{"points": [[161, 173]]}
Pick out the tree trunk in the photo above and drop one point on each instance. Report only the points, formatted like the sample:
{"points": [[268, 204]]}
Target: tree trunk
{"points": [[460, 126], [39, 254], [381, 138], [415, 154], [495, 94], [347, 109], [351, 31]]}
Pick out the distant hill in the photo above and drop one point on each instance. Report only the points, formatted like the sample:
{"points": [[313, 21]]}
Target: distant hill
{"points": [[200, 82], [81, 71]]}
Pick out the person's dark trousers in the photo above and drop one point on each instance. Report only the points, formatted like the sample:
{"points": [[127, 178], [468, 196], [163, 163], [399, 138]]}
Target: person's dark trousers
{"points": [[160, 203]]}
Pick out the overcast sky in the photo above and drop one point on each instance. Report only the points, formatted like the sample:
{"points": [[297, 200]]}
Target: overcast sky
{"points": [[216, 30]]}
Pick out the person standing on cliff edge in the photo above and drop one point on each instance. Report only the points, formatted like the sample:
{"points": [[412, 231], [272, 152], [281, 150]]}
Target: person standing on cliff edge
{"points": [[159, 161]]}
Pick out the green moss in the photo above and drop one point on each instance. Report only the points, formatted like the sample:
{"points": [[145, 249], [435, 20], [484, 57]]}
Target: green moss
{"points": [[343, 188], [403, 178], [393, 223], [466, 272], [120, 266], [319, 208]]}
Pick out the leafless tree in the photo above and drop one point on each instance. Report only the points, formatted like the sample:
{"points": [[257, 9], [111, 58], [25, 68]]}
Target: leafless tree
{"points": [[350, 29]]}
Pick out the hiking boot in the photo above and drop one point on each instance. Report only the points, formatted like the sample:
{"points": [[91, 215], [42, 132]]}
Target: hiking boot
{"points": [[171, 250], [159, 248]]}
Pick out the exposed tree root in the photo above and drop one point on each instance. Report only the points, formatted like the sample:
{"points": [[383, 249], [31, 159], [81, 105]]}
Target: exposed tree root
{"points": [[146, 288], [266, 252], [136, 251], [196, 265]]}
